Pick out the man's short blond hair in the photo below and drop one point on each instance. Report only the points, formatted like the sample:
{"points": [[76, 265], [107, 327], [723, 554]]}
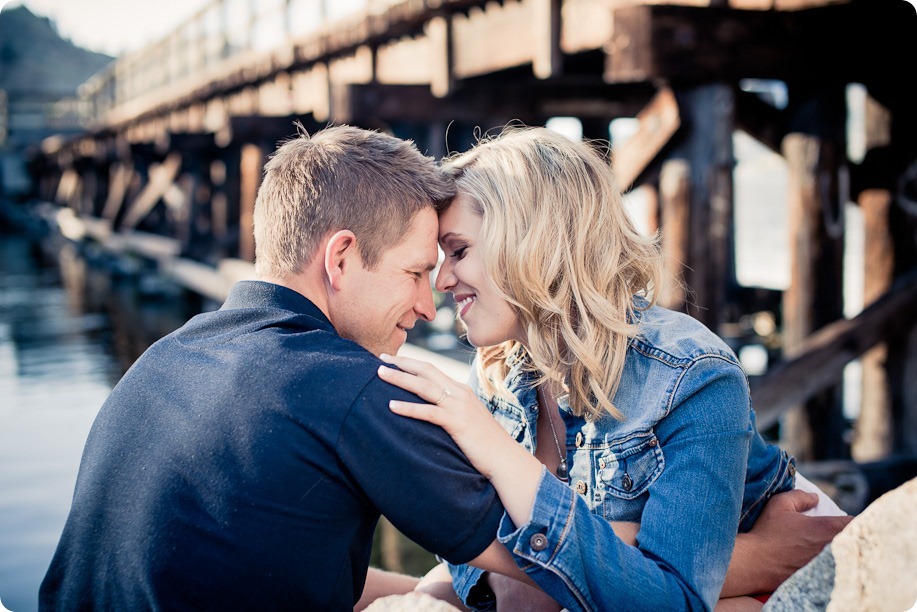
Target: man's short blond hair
{"points": [[341, 178]]}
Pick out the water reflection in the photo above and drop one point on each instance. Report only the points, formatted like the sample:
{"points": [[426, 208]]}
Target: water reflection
{"points": [[67, 334]]}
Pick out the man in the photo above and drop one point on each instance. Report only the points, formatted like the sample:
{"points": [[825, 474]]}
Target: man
{"points": [[244, 460]]}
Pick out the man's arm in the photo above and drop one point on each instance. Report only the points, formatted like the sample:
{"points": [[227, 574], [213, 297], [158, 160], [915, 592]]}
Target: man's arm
{"points": [[780, 542]]}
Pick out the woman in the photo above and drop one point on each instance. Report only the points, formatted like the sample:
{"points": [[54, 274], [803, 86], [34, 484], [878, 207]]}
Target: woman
{"points": [[645, 412]]}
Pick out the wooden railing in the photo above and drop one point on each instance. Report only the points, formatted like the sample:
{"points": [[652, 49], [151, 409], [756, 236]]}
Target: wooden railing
{"points": [[219, 35]]}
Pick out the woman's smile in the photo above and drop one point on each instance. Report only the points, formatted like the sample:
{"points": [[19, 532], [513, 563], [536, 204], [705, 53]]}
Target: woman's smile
{"points": [[464, 303]]}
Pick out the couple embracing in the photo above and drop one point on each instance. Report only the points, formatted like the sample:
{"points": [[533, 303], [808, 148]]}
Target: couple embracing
{"points": [[604, 456]]}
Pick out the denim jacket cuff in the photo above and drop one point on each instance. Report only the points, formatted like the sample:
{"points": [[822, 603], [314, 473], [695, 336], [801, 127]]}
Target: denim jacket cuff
{"points": [[539, 540], [468, 584]]}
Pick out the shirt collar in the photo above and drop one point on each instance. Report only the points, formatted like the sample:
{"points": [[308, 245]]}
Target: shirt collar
{"points": [[261, 294]]}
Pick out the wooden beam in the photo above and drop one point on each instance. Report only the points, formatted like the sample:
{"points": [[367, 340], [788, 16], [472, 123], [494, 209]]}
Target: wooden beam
{"points": [[658, 122], [498, 37], [252, 162], [162, 177], [442, 58], [873, 428], [547, 58], [152, 246], [310, 91], [813, 152], [407, 61], [586, 25], [120, 179], [363, 103], [675, 207], [820, 358], [762, 121], [531, 101], [689, 43], [801, 153], [201, 278], [705, 144]]}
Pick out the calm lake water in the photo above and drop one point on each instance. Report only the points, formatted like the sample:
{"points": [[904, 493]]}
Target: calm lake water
{"points": [[66, 336]]}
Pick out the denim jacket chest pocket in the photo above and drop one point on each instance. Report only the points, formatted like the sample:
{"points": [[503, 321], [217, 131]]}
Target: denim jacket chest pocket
{"points": [[620, 471]]}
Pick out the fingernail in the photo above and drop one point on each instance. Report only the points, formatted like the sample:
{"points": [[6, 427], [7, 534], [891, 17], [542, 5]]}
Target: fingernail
{"points": [[385, 357], [383, 370]]}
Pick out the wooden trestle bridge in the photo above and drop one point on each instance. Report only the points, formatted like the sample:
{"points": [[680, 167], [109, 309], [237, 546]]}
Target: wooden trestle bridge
{"points": [[177, 135]]}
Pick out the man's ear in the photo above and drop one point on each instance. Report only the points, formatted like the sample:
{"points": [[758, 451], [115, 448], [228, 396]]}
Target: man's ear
{"points": [[340, 251]]}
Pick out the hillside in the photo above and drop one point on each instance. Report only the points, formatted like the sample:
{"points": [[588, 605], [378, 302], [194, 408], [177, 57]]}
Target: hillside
{"points": [[34, 59]]}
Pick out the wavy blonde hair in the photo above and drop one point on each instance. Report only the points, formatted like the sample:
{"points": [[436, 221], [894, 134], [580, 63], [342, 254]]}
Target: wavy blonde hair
{"points": [[562, 250]]}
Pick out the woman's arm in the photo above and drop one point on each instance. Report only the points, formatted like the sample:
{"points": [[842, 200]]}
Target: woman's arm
{"points": [[509, 467], [782, 540], [689, 523]]}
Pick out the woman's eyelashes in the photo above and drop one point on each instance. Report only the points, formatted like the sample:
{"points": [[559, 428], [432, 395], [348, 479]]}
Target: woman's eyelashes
{"points": [[459, 252]]}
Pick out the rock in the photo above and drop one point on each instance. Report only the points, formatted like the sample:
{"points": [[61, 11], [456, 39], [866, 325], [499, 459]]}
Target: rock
{"points": [[876, 555], [870, 566], [809, 589], [411, 602]]}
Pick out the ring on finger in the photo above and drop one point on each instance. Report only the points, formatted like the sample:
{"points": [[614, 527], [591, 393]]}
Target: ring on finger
{"points": [[445, 394]]}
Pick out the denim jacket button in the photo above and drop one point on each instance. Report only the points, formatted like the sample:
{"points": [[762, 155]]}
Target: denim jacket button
{"points": [[538, 542], [626, 483], [581, 487], [602, 463], [653, 442], [579, 439]]}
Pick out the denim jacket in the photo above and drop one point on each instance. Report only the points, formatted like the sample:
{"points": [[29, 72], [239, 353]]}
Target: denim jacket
{"points": [[687, 463]]}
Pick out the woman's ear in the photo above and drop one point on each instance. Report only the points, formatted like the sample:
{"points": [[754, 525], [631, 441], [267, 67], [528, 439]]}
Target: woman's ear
{"points": [[339, 252]]}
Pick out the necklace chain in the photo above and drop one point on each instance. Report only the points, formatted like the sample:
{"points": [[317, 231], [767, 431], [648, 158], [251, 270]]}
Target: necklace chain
{"points": [[562, 466]]}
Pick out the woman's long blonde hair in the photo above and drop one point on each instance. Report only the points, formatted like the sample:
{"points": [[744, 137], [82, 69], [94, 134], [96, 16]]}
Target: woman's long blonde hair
{"points": [[561, 249]]}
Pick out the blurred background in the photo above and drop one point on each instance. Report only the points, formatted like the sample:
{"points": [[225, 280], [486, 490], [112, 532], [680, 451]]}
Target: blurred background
{"points": [[772, 143]]}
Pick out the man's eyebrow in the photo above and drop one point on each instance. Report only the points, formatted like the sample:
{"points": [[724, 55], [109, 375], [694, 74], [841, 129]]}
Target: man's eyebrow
{"points": [[425, 266]]}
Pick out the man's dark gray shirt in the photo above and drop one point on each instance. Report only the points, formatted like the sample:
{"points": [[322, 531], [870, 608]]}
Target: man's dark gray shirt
{"points": [[243, 462]]}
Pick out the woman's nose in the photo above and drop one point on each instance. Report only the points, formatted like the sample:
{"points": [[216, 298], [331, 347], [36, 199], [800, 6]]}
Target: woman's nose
{"points": [[445, 279]]}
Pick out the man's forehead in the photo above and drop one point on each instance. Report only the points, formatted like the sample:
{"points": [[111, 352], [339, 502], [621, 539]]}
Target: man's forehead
{"points": [[417, 252], [424, 251], [425, 258]]}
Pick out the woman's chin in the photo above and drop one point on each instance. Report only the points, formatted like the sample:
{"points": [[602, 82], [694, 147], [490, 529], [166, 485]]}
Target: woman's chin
{"points": [[472, 338], [480, 340]]}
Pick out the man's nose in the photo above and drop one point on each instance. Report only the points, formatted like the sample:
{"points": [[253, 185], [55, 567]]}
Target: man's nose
{"points": [[425, 308]]}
